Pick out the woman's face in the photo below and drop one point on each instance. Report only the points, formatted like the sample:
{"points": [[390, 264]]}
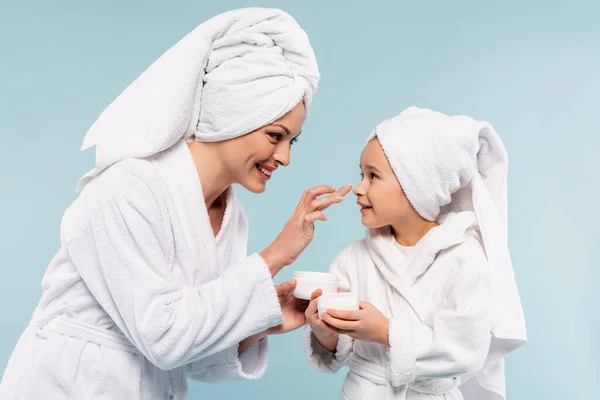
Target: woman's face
{"points": [[253, 158]]}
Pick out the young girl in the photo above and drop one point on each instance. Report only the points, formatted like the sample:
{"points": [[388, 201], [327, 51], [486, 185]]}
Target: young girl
{"points": [[440, 305]]}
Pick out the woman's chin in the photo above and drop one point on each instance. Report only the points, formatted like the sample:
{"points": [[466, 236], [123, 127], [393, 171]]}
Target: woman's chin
{"points": [[254, 186]]}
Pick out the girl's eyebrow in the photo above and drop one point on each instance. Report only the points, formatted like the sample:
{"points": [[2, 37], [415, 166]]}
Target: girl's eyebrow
{"points": [[369, 166]]}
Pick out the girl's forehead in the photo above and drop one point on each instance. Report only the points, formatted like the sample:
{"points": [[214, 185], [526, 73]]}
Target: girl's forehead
{"points": [[373, 154]]}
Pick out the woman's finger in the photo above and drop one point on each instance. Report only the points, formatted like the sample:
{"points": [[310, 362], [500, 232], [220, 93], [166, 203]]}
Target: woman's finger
{"points": [[317, 191], [302, 204], [315, 216], [336, 197], [323, 203], [284, 288], [344, 190]]}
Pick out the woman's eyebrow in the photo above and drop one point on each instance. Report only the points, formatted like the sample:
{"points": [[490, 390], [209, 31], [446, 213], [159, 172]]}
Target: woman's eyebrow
{"points": [[283, 127]]}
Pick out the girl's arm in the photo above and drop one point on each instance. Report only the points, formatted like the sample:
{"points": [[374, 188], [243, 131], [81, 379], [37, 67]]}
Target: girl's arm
{"points": [[328, 351]]}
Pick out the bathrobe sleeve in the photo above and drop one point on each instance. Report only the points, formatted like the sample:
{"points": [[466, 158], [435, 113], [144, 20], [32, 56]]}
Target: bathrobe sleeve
{"points": [[121, 250], [455, 339], [229, 365], [320, 358]]}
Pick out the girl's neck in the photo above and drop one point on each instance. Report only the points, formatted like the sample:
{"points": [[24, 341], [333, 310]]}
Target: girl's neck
{"points": [[409, 232]]}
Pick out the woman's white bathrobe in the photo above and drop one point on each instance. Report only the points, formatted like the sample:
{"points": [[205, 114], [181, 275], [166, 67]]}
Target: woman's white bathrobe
{"points": [[142, 295], [439, 310]]}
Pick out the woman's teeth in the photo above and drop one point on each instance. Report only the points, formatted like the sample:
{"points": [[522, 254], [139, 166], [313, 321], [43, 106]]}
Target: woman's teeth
{"points": [[263, 170]]}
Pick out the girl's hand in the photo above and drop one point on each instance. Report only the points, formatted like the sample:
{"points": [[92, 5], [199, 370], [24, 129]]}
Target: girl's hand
{"points": [[367, 323], [324, 334]]}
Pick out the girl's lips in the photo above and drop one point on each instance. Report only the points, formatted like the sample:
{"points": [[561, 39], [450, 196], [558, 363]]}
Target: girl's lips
{"points": [[363, 207]]}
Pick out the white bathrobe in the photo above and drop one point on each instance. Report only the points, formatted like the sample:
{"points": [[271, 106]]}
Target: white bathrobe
{"points": [[438, 304], [141, 295]]}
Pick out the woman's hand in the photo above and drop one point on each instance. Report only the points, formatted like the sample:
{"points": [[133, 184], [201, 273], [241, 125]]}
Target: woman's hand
{"points": [[300, 228], [324, 334], [291, 307], [367, 324], [293, 315]]}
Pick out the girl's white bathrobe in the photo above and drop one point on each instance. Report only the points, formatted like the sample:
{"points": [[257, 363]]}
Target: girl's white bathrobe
{"points": [[142, 295], [438, 303]]}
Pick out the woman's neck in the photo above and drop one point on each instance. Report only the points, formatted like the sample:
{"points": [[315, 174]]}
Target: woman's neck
{"points": [[410, 231], [214, 178]]}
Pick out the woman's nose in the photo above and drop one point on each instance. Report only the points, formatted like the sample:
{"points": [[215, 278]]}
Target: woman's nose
{"points": [[282, 155]]}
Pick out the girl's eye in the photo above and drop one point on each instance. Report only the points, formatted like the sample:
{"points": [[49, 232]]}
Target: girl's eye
{"points": [[362, 176], [373, 176]]}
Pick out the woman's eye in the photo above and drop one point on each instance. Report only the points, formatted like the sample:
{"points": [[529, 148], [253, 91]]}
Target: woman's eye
{"points": [[293, 141], [276, 136]]}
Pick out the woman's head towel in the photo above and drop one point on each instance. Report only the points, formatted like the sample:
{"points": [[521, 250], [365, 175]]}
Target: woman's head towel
{"points": [[233, 74], [454, 163]]}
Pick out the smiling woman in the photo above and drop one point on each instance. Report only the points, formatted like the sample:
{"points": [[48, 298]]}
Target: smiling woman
{"points": [[251, 159], [153, 279]]}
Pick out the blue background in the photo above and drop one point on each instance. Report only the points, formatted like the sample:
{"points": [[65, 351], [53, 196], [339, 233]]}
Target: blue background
{"points": [[530, 68]]}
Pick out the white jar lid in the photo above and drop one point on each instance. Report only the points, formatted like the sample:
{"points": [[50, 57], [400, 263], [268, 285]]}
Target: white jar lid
{"points": [[315, 276]]}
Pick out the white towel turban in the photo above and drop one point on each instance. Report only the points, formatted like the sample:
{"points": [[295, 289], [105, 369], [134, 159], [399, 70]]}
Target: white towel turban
{"points": [[233, 74]]}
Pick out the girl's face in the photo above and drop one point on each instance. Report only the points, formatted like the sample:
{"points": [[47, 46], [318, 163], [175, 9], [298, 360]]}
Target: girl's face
{"points": [[380, 197], [252, 159]]}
